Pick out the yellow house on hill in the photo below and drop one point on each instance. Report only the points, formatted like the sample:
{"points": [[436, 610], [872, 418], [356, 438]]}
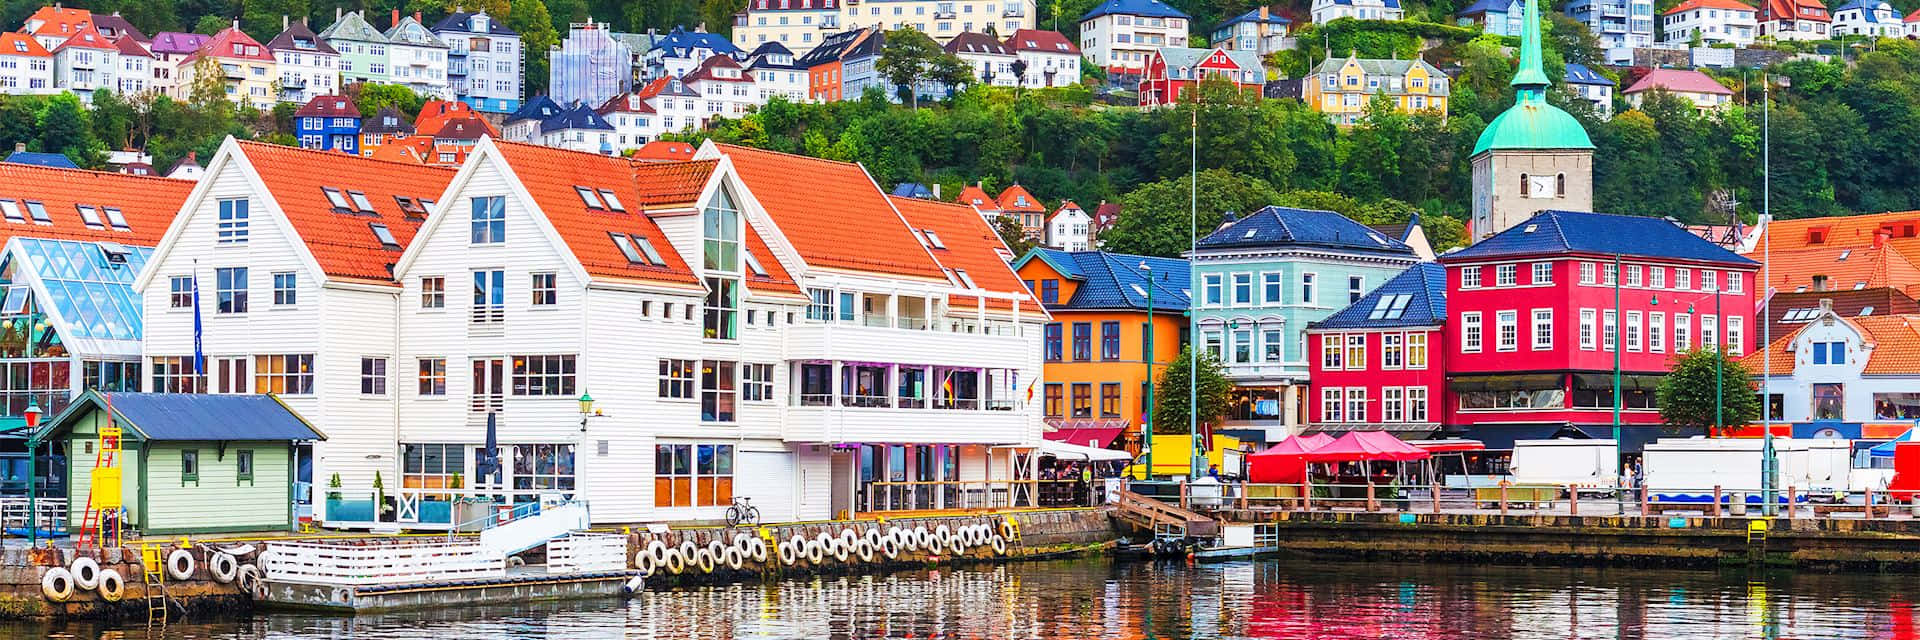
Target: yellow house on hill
{"points": [[1341, 87]]}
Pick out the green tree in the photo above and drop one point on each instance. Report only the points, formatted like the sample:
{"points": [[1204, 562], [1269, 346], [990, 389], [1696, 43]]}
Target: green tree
{"points": [[532, 21], [211, 24], [369, 98], [262, 18], [1170, 393], [65, 127], [1686, 394], [1156, 219], [1014, 235], [909, 58]]}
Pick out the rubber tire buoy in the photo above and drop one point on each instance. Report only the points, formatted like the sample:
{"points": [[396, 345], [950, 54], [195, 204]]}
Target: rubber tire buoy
{"points": [[922, 539], [112, 586], [86, 573], [261, 559], [644, 563], [890, 548], [740, 540], [895, 534], [864, 549], [999, 546], [957, 546], [688, 550], [57, 584], [841, 550], [223, 567], [734, 558], [717, 548], [816, 552], [910, 539], [704, 559], [1009, 530], [674, 563], [849, 536], [872, 536], [789, 553], [658, 550], [757, 549], [249, 578], [180, 564], [942, 537]]}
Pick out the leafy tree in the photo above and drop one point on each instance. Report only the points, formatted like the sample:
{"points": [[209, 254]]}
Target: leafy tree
{"points": [[1014, 235], [65, 128], [211, 24], [537, 34], [1686, 394], [369, 98], [261, 19], [909, 58], [1170, 401], [1157, 219]]}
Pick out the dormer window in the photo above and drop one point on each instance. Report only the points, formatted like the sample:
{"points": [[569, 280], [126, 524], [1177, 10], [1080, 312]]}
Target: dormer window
{"points": [[360, 203]]}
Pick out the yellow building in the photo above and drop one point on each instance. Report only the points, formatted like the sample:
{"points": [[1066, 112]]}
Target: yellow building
{"points": [[246, 68], [1341, 88]]}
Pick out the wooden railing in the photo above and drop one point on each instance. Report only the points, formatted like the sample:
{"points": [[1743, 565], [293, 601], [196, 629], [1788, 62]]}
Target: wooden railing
{"points": [[382, 563], [582, 552]]}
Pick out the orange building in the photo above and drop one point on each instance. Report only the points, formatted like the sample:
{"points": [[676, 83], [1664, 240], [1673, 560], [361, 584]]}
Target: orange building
{"points": [[1096, 368]]}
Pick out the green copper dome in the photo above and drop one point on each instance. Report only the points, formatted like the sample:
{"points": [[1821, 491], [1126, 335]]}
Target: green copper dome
{"points": [[1531, 123]]}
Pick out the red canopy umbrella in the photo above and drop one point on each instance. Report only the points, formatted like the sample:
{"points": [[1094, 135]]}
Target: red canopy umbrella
{"points": [[1366, 445], [1283, 463]]}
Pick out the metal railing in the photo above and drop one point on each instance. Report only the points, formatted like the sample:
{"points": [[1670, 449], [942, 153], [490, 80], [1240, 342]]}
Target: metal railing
{"points": [[390, 562], [15, 509], [1505, 498], [927, 495], [581, 552]]}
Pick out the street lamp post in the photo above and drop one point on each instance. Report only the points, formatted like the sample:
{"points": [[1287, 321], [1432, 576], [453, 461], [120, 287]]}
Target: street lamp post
{"points": [[1146, 415], [33, 473], [1614, 343], [587, 411]]}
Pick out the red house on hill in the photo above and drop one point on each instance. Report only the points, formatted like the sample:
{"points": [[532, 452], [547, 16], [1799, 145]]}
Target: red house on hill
{"points": [[1172, 69], [1379, 364], [1535, 323]]}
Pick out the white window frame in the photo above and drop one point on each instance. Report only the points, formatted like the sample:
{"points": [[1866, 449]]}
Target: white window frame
{"points": [[1586, 273], [1470, 332], [1589, 329], [1542, 329], [1356, 398], [1506, 275], [1609, 330], [1633, 331], [1417, 344], [1656, 332], [1682, 332], [1470, 277], [1735, 332], [1506, 330], [1542, 273]]}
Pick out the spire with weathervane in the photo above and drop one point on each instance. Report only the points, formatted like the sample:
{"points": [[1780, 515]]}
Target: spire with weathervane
{"points": [[1534, 156]]}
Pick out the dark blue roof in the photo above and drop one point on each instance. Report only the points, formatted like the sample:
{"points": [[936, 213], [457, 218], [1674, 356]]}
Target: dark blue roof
{"points": [[57, 160], [194, 416], [679, 41], [540, 107], [1115, 280], [1424, 286], [1492, 6], [1390, 4], [1579, 74], [460, 22], [579, 117], [1149, 8], [1550, 232], [913, 190], [1254, 16], [1281, 226]]}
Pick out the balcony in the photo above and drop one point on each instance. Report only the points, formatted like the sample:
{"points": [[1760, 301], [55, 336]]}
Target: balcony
{"points": [[832, 424], [857, 342]]}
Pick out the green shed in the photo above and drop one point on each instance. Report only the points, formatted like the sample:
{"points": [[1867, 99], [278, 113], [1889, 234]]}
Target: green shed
{"points": [[189, 463]]}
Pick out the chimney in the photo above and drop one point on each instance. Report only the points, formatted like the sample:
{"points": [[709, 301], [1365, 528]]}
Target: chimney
{"points": [[22, 146], [700, 28], [936, 191], [236, 24], [395, 17], [336, 14], [1264, 12], [283, 22]]}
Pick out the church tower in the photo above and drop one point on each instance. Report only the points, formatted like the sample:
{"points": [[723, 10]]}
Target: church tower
{"points": [[1532, 157]]}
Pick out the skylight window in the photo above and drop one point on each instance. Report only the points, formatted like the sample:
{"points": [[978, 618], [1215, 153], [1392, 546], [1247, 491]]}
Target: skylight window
{"points": [[337, 199], [360, 202], [612, 201], [117, 219], [754, 264], [385, 235], [965, 279], [410, 207], [1843, 255], [646, 247], [934, 239], [587, 196], [12, 211], [1866, 311], [90, 216], [39, 212], [1859, 285], [116, 253], [625, 244]]}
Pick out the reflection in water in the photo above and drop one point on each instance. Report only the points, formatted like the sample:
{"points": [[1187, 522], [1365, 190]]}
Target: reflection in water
{"points": [[1101, 599]]}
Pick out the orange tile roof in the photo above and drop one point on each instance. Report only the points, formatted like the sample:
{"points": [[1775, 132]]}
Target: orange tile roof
{"points": [[87, 38], [664, 150], [342, 243], [436, 115], [777, 280], [221, 46], [1843, 268], [33, 48], [832, 213], [60, 20], [661, 184], [148, 202], [550, 175], [1895, 340], [411, 150], [971, 246], [1011, 196], [974, 195], [1899, 230]]}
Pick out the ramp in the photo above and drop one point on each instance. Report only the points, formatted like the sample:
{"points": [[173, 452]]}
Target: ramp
{"points": [[1154, 515], [535, 528]]}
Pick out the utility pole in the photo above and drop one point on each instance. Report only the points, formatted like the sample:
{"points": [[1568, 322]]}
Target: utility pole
{"points": [[1146, 416], [1199, 465], [1619, 446]]}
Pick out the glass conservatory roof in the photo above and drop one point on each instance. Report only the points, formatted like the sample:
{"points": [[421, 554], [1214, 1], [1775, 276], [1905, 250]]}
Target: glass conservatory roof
{"points": [[85, 287]]}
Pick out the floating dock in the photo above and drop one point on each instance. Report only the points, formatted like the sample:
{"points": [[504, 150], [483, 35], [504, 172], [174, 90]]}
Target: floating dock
{"points": [[521, 587]]}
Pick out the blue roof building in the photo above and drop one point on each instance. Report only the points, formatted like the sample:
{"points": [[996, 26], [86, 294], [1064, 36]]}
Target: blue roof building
{"points": [[1600, 234], [579, 129], [1102, 305], [1260, 31], [328, 123], [1146, 8], [56, 160], [484, 61], [679, 52], [1260, 280], [1497, 17], [1592, 86], [1415, 298]]}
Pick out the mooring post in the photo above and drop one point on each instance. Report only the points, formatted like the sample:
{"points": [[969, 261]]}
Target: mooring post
{"points": [[1243, 495], [1645, 497], [1716, 501], [1306, 494], [1790, 502], [1436, 497], [1183, 494], [1370, 504], [1573, 500], [1869, 505], [1503, 498]]}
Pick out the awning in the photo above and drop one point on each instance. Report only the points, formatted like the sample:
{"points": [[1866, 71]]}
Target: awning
{"points": [[1093, 436], [1406, 430], [1504, 383], [1627, 381], [1066, 451], [1448, 445], [1501, 436]]}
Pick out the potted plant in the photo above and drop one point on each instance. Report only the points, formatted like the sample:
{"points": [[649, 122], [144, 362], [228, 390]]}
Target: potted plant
{"points": [[382, 510]]}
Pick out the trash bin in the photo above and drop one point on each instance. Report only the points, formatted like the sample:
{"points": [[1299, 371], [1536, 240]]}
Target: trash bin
{"points": [[469, 514]]}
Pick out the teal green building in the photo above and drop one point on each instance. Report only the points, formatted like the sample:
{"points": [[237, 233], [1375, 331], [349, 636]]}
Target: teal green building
{"points": [[1259, 280]]}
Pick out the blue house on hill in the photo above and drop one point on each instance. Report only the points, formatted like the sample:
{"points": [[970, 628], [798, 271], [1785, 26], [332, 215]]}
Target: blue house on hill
{"points": [[328, 123]]}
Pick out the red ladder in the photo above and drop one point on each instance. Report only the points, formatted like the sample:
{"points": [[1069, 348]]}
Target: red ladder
{"points": [[108, 459]]}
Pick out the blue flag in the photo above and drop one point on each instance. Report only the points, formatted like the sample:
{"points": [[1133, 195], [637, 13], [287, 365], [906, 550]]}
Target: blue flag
{"points": [[199, 357]]}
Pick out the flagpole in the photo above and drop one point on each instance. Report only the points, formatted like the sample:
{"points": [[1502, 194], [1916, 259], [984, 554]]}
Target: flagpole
{"points": [[1193, 239], [1768, 462]]}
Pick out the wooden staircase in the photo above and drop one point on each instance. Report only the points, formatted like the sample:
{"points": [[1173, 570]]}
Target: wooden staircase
{"points": [[1154, 515]]}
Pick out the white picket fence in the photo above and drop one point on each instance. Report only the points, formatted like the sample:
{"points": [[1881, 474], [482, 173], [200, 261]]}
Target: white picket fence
{"points": [[383, 563], [582, 552]]}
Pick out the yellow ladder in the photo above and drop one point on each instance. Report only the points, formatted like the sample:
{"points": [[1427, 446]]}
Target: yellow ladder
{"points": [[154, 576]]}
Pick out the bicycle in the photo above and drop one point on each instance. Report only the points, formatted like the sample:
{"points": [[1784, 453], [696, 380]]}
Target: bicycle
{"points": [[742, 513]]}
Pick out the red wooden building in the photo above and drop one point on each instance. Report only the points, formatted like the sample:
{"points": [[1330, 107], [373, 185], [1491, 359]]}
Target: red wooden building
{"points": [[1171, 70], [1378, 365]]}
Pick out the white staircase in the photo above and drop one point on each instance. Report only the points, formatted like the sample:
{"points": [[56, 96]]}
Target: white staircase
{"points": [[529, 531]]}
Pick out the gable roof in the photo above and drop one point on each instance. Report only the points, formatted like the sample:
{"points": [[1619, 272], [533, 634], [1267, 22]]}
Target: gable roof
{"points": [[1424, 287], [1286, 226], [131, 47], [1490, 6], [1690, 5], [192, 416], [378, 123], [539, 107], [41, 159], [1041, 41], [342, 243], [116, 27], [409, 32], [579, 117], [87, 38], [59, 21], [1253, 15], [1377, 66], [1895, 342], [973, 195], [177, 43], [469, 126], [831, 48], [148, 202], [1011, 197], [353, 26], [462, 22], [410, 149], [1109, 280], [1579, 74], [551, 176], [1553, 231], [1788, 311], [1899, 230], [976, 43], [966, 245], [1686, 80], [820, 205], [332, 106], [680, 43], [222, 45], [1187, 57], [1148, 8], [1842, 268], [706, 71], [297, 31], [664, 150], [1790, 10], [14, 43]]}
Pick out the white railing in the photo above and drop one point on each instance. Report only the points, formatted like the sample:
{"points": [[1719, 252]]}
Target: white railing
{"points": [[582, 552], [381, 563], [52, 512]]}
